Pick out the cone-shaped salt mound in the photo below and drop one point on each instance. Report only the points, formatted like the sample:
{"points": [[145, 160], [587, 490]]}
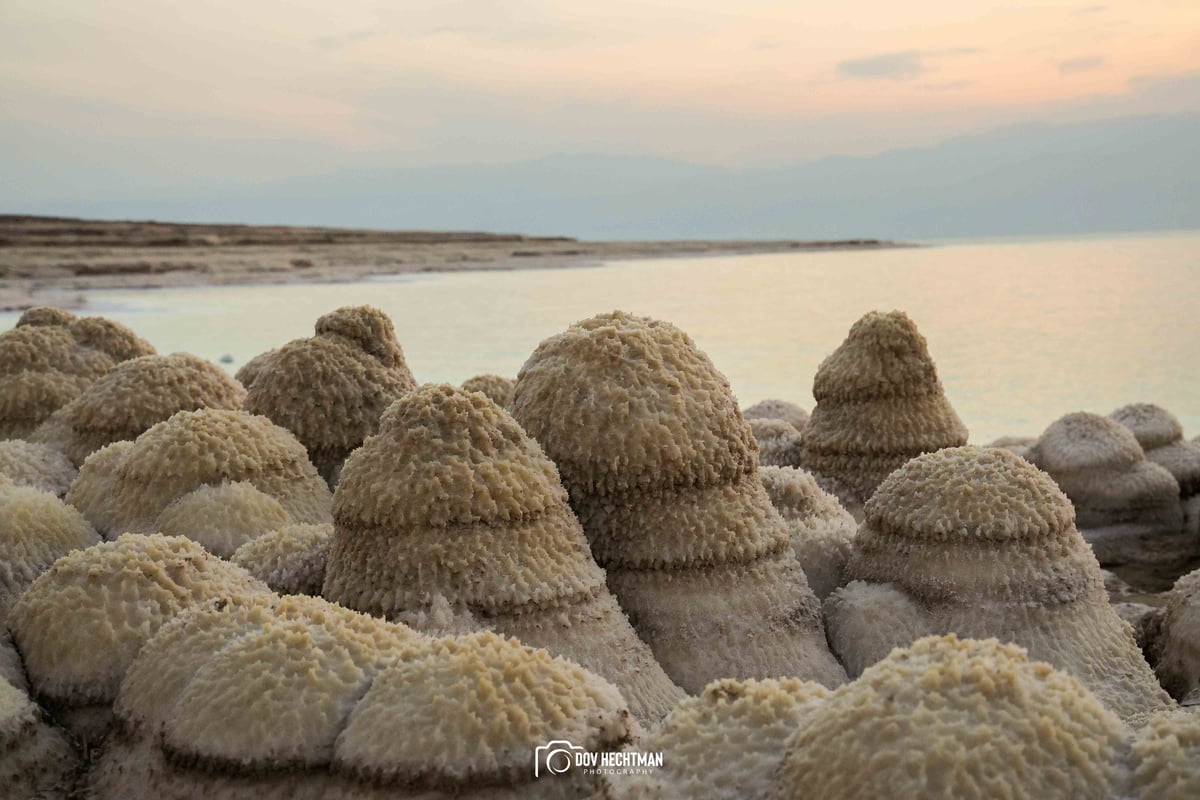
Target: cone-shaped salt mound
{"points": [[46, 362], [37, 762], [790, 413], [1161, 437], [725, 744], [879, 404], [822, 532], [43, 468], [1174, 640], [331, 389], [290, 559], [497, 387], [452, 499], [1127, 507], [950, 718], [81, 624], [779, 443], [135, 395], [130, 487], [36, 528], [299, 698], [980, 543], [662, 471]]}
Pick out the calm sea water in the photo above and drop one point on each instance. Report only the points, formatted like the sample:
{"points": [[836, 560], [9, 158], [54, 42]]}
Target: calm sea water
{"points": [[1022, 332]]}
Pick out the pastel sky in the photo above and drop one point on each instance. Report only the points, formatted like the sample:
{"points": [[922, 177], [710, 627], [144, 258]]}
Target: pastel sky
{"points": [[231, 89]]}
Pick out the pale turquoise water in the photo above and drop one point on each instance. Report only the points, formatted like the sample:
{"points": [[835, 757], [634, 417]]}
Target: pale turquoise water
{"points": [[1022, 332]]}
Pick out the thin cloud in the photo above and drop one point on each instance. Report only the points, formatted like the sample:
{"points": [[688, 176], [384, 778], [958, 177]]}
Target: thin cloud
{"points": [[948, 86], [1091, 10], [1082, 64], [900, 66]]}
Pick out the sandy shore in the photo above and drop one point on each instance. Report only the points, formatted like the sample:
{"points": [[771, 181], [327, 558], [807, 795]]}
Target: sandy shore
{"points": [[46, 260]]}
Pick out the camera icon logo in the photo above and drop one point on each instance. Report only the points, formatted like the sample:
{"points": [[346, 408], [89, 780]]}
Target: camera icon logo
{"points": [[554, 757]]}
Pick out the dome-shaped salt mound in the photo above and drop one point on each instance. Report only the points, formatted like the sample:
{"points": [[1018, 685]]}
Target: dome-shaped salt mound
{"points": [[302, 698], [950, 718], [330, 390], [1174, 640], [1017, 445], [662, 471], [790, 413], [290, 559], [1127, 508], [1166, 757], [822, 532], [1161, 437], [45, 315], [497, 387], [127, 487], [135, 395], [725, 744], [35, 465], [980, 543], [47, 362], [37, 762], [81, 623], [452, 499], [779, 443], [36, 528], [879, 404], [250, 371], [222, 517]]}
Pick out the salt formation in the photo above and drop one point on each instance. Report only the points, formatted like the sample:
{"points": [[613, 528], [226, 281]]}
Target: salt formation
{"points": [[451, 499], [1161, 436], [1173, 640], [330, 390], [981, 543], [951, 718], [49, 358], [879, 404], [663, 473], [790, 413], [725, 744], [135, 395], [253, 368], [497, 387], [299, 698], [822, 532], [36, 528], [779, 444], [35, 465], [290, 559], [37, 762], [1017, 445], [1166, 757], [80, 625], [222, 517], [1127, 507], [217, 454]]}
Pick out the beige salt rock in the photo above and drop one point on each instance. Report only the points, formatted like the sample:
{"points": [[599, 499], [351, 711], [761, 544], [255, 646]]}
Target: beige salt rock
{"points": [[779, 443], [1126, 507], [663, 473], [822, 532], [290, 559], [979, 542], [194, 449], [790, 413], [497, 387], [1161, 436], [37, 466], [37, 762], [330, 390], [36, 528], [879, 404], [222, 517], [452, 499], [1173, 642], [80, 625], [135, 395], [1166, 757]]}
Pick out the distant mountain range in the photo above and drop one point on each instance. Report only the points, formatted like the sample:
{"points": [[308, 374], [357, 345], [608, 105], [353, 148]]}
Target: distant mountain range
{"points": [[1137, 173]]}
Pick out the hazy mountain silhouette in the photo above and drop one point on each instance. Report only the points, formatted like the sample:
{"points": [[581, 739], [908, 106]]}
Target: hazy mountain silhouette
{"points": [[1138, 173]]}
